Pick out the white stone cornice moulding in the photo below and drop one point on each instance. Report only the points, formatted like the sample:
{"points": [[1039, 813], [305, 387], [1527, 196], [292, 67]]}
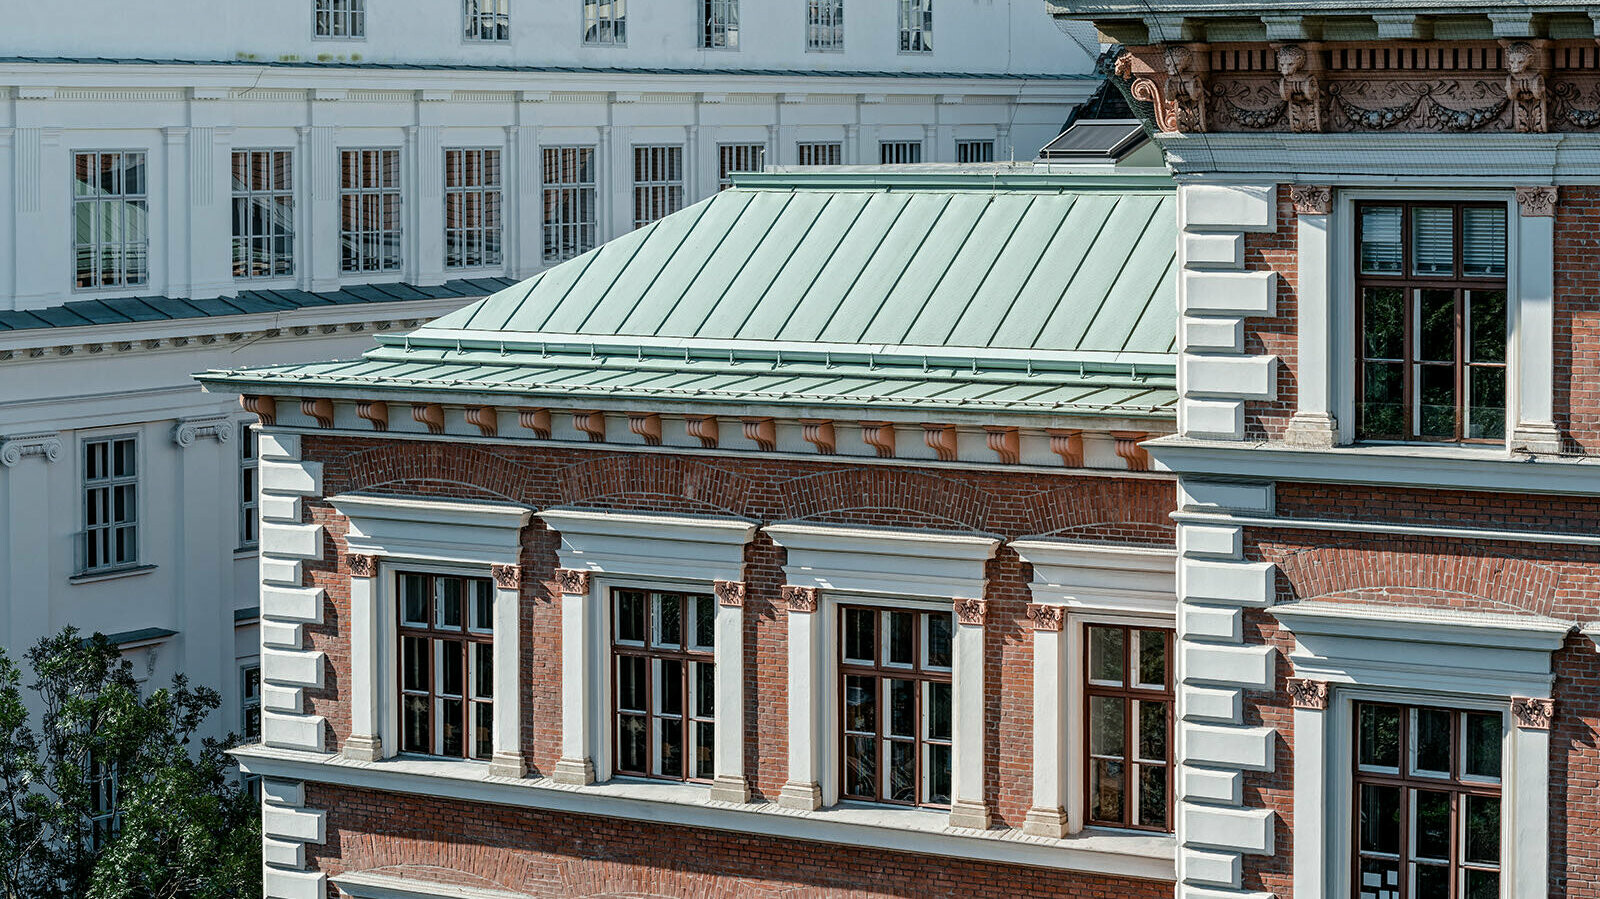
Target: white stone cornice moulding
{"points": [[1345, 160], [435, 530], [941, 564], [924, 832], [188, 430], [685, 547], [47, 446], [1095, 577]]}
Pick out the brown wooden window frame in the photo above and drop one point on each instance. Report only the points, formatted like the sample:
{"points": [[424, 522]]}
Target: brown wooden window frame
{"points": [[656, 655], [473, 641], [1405, 778], [1130, 691], [1410, 285], [919, 671]]}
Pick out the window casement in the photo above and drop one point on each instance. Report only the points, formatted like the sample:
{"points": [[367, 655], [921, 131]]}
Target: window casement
{"points": [[263, 213], [1128, 709], [1431, 321], [110, 504], [1427, 800], [571, 208], [824, 25], [105, 795], [339, 19], [369, 210], [446, 660], [250, 703], [486, 20], [916, 26], [249, 486], [974, 151], [111, 219], [899, 152], [820, 153], [605, 22], [738, 158], [663, 650], [719, 24], [473, 204], [896, 706], [657, 183]]}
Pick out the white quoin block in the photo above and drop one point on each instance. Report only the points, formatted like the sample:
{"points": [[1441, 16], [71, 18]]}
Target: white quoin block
{"points": [[294, 541], [1243, 207], [1213, 335], [1213, 540], [277, 883], [1213, 419], [281, 634], [1212, 703], [1211, 623], [282, 699], [1211, 785], [278, 446], [1240, 829], [1211, 867], [1213, 250], [280, 507], [1235, 583], [303, 604], [277, 791], [1249, 377], [303, 478], [293, 823], [1253, 294], [1224, 496], [1249, 748], [1249, 667], [280, 571], [282, 853], [293, 667], [1190, 891], [292, 731]]}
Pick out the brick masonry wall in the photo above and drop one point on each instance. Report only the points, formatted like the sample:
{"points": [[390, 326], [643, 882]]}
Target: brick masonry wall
{"points": [[556, 856], [1276, 251], [1094, 509], [1577, 319]]}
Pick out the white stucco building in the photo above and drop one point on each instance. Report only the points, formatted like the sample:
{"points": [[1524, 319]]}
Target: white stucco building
{"points": [[190, 186]]}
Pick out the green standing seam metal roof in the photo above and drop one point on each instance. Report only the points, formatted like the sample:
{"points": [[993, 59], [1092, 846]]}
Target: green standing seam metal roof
{"points": [[1023, 293]]}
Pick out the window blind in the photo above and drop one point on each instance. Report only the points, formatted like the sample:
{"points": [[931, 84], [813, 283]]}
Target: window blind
{"points": [[1432, 241], [1380, 240], [1483, 242]]}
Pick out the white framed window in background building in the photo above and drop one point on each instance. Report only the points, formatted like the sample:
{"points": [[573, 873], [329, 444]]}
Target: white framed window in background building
{"points": [[263, 213], [340, 19], [657, 183], [974, 151], [719, 24], [571, 209], [111, 213], [472, 208], [916, 26], [110, 503], [738, 158], [369, 210], [486, 20], [900, 152], [605, 22], [820, 152], [249, 495], [824, 24]]}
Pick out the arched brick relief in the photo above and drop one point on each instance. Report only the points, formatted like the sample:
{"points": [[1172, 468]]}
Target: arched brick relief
{"points": [[1417, 575], [1103, 509], [483, 473], [670, 478], [605, 879], [899, 491], [445, 861]]}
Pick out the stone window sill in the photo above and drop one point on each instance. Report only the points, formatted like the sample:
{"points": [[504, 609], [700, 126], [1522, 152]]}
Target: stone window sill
{"points": [[110, 574]]}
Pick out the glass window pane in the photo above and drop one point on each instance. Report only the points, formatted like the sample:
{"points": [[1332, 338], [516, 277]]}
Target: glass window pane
{"points": [[1483, 885], [902, 708], [482, 605], [451, 726], [1106, 790], [861, 766], [1431, 742], [1380, 240], [631, 683], [1107, 728], [1380, 879], [668, 619], [630, 616], [1486, 314], [669, 687], [414, 657], [1487, 410], [1436, 326], [938, 774], [1152, 745], [902, 638], [705, 621], [938, 711], [705, 688], [860, 634], [902, 771], [860, 704], [1431, 818], [1436, 394], [1106, 659], [1379, 736], [450, 602], [1152, 796], [1380, 819], [1482, 845], [1152, 663], [483, 670], [483, 730], [938, 653], [1383, 322], [1432, 882], [633, 736], [1383, 409], [1483, 738], [705, 742], [451, 662], [1433, 241], [669, 760], [414, 726]]}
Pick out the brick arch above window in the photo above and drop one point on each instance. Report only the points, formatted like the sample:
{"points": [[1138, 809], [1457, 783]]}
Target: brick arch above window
{"points": [[1452, 577], [1100, 507], [669, 479], [819, 496], [480, 473]]}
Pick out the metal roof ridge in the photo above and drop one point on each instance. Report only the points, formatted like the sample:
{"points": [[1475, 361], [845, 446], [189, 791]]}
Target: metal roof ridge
{"points": [[976, 179]]}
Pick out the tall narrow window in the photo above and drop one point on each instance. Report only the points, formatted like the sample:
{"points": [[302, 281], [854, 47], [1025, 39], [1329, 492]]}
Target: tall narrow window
{"points": [[446, 665], [824, 24], [110, 503], [1128, 701], [105, 795], [249, 497], [1431, 314], [472, 204], [657, 183], [250, 703], [571, 213], [899, 152], [1427, 798], [916, 26], [111, 218], [974, 151], [820, 153], [738, 158], [340, 19], [486, 20], [605, 22], [662, 647], [895, 669], [720, 29], [369, 208], [263, 213]]}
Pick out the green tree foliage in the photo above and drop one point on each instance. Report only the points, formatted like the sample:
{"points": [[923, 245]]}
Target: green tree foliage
{"points": [[110, 795]]}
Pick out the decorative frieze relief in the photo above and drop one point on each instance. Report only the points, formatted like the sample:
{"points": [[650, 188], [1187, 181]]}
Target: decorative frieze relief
{"points": [[970, 611], [800, 599], [188, 430], [1532, 714], [507, 577], [1308, 694], [572, 581], [15, 449], [1537, 202], [362, 565], [1046, 617], [1311, 200], [729, 593]]}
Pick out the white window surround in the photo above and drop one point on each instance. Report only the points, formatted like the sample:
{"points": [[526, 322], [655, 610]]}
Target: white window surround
{"points": [[830, 564], [1082, 583], [439, 536], [601, 550], [1458, 659]]}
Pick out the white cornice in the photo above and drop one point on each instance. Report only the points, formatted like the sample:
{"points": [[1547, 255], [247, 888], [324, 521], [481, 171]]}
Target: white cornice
{"points": [[1085, 575], [690, 547], [943, 564], [1456, 160], [433, 529]]}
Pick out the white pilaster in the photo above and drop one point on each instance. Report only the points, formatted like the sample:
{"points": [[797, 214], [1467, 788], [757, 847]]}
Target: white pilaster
{"points": [[365, 741], [968, 807], [1314, 422], [576, 765], [508, 760], [1533, 324], [1048, 816], [730, 784], [320, 245], [803, 790]]}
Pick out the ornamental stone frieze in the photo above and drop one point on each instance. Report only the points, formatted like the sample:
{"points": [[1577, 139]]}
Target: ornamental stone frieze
{"points": [[15, 449], [1530, 85]]}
